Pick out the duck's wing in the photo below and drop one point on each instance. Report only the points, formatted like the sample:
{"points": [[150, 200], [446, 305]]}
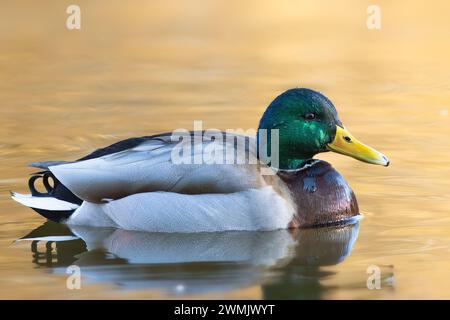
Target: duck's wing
{"points": [[164, 163]]}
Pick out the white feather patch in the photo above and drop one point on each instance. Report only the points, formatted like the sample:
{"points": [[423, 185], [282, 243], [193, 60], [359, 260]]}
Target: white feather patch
{"points": [[91, 214], [45, 203], [254, 209], [50, 238]]}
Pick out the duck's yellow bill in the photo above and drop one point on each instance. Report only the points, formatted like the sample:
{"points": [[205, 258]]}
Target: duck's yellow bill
{"points": [[345, 143]]}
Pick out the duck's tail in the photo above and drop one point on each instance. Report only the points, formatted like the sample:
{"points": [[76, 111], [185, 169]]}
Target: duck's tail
{"points": [[57, 203]]}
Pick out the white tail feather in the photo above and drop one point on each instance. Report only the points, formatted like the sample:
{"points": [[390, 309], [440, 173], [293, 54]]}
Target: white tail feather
{"points": [[50, 238], [45, 203]]}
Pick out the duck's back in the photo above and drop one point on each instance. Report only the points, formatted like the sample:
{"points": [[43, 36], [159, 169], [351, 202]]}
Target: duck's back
{"points": [[160, 163]]}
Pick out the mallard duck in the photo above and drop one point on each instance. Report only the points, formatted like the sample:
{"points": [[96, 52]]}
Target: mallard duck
{"points": [[164, 260], [135, 184]]}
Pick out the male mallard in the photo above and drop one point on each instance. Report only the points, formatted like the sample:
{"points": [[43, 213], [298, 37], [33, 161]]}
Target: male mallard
{"points": [[168, 257], [135, 184]]}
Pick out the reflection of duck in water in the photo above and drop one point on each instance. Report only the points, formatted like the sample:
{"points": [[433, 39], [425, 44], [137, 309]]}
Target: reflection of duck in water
{"points": [[196, 262], [317, 248], [136, 185]]}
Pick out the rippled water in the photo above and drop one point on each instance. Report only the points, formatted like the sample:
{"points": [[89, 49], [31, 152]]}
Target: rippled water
{"points": [[141, 68]]}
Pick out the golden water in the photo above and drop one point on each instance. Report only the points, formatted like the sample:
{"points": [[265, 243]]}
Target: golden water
{"points": [[144, 67]]}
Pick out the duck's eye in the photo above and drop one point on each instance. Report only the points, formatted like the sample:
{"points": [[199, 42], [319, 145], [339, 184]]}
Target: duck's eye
{"points": [[309, 116]]}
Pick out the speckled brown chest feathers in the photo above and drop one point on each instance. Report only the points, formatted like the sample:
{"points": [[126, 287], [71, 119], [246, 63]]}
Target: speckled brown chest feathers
{"points": [[321, 194]]}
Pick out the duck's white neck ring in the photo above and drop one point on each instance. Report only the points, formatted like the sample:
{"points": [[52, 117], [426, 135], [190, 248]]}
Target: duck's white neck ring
{"points": [[305, 166]]}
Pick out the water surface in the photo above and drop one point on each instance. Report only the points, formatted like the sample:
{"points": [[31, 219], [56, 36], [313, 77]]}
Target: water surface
{"points": [[140, 68]]}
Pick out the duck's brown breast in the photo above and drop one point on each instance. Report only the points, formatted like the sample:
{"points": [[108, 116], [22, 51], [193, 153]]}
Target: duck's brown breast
{"points": [[321, 194]]}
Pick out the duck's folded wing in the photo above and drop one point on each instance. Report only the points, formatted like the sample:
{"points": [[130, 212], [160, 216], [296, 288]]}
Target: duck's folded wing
{"points": [[160, 164]]}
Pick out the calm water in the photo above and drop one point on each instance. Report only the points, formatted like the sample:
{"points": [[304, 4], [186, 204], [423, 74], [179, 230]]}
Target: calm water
{"points": [[143, 67]]}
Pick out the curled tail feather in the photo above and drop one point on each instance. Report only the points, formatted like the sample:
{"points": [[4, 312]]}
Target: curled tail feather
{"points": [[57, 203]]}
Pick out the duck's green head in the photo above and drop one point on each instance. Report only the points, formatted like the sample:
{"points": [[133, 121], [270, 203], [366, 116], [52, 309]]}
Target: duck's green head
{"points": [[308, 124]]}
